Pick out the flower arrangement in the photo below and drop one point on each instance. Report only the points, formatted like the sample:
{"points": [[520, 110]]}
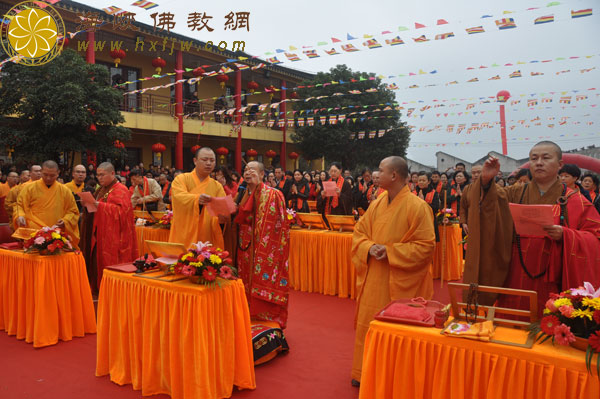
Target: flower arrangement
{"points": [[48, 240], [446, 216], [165, 221], [570, 314], [205, 264], [291, 217]]}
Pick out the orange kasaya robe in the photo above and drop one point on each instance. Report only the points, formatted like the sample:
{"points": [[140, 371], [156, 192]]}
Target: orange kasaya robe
{"points": [[190, 224], [4, 190], [43, 206], [74, 187], [10, 202], [547, 266], [405, 227]]}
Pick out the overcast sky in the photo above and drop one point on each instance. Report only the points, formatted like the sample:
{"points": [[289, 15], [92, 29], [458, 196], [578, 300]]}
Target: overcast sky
{"points": [[274, 24]]}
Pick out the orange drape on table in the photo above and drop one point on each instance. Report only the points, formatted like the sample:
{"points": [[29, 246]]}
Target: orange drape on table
{"points": [[45, 298], [149, 234], [453, 257], [402, 361], [321, 261], [176, 338]]}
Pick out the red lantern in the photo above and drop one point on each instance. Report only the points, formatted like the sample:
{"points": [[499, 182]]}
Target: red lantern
{"points": [[502, 96], [198, 72], [222, 152], [270, 154], [271, 90], [158, 147], [252, 86], [159, 64], [92, 128], [118, 55], [294, 95], [119, 144], [251, 153], [222, 79], [293, 155], [195, 149]]}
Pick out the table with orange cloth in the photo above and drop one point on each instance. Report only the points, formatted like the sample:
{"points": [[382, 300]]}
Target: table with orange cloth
{"points": [[176, 338], [144, 234], [449, 253], [45, 298], [321, 261], [402, 361]]}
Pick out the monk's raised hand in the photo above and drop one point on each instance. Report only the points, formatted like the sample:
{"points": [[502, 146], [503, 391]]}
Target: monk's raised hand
{"points": [[490, 169], [204, 199], [555, 232], [21, 221], [60, 224]]}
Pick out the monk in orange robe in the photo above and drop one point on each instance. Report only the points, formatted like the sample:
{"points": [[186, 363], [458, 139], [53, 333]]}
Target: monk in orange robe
{"points": [[392, 251], [11, 181], [26, 176], [108, 235], [46, 202], [566, 258], [190, 193]]}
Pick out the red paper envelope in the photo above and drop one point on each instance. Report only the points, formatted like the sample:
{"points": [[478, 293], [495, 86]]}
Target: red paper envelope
{"points": [[329, 189], [221, 206]]}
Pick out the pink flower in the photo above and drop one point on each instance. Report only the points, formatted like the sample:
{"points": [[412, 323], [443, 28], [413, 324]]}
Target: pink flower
{"points": [[39, 240], [225, 272], [566, 310], [563, 335], [188, 270], [550, 305], [586, 290]]}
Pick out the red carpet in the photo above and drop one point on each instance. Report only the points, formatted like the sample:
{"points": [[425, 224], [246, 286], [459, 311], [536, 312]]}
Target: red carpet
{"points": [[320, 334]]}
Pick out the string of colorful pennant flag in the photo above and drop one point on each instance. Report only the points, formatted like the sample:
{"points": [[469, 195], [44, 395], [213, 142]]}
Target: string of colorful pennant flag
{"points": [[514, 140]]}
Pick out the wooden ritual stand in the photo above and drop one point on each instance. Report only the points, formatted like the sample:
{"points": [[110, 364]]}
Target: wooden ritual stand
{"points": [[341, 223]]}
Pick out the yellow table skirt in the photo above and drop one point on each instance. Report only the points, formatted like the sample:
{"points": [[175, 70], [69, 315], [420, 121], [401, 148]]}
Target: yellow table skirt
{"points": [[402, 361], [321, 261], [448, 256], [45, 298], [175, 338], [144, 234]]}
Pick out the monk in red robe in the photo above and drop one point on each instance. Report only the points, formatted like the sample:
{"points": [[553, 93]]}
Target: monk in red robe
{"points": [[263, 247], [566, 258], [108, 235]]}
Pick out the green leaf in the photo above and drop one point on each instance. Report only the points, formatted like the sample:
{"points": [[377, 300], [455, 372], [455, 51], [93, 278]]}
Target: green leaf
{"points": [[547, 338], [588, 359], [597, 364]]}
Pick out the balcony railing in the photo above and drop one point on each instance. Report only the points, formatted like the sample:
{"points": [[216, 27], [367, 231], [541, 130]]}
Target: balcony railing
{"points": [[162, 105]]}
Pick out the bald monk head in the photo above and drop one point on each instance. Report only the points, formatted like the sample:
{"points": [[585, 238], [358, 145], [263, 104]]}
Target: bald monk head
{"points": [[49, 172], [204, 161], [393, 172], [35, 172], [254, 174], [24, 176], [376, 178], [545, 160], [79, 174], [105, 172], [476, 172], [12, 179]]}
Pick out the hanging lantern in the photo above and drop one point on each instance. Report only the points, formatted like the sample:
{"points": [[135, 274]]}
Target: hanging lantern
{"points": [[158, 149], [293, 155], [119, 144], [159, 64], [270, 154], [222, 152], [118, 55], [502, 96], [294, 95], [251, 153], [222, 79], [92, 128], [271, 90], [195, 149], [198, 72], [252, 86]]}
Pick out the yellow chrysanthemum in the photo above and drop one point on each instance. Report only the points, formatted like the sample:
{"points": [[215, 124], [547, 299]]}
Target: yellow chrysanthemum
{"points": [[591, 302], [583, 313], [56, 236], [32, 33], [184, 257], [215, 260], [547, 311], [563, 302]]}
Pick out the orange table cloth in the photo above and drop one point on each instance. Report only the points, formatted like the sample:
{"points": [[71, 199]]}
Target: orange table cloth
{"points": [[402, 361], [144, 234], [321, 261], [448, 256], [176, 338], [45, 298]]}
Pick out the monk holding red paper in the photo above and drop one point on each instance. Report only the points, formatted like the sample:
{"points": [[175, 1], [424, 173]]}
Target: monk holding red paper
{"points": [[108, 230], [566, 257], [190, 193]]}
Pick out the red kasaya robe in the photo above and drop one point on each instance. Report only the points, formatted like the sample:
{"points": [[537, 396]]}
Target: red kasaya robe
{"points": [[262, 253]]}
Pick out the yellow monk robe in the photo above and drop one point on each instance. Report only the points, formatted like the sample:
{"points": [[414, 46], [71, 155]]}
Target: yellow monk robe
{"points": [[10, 203], [405, 227], [74, 187], [42, 206], [189, 224], [4, 189]]}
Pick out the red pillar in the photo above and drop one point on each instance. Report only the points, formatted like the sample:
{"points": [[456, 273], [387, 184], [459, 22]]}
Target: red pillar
{"points": [[238, 120], [503, 130], [90, 54], [282, 109], [179, 111]]}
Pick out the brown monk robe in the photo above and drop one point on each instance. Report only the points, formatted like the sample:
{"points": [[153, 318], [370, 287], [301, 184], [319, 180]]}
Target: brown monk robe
{"points": [[566, 258]]}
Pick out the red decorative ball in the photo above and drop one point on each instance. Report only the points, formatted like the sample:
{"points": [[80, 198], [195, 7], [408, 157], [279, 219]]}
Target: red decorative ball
{"points": [[222, 151], [120, 54], [251, 152], [252, 85], [198, 72], [293, 155], [222, 78], [159, 63], [158, 147], [270, 154], [294, 95], [195, 149], [503, 96]]}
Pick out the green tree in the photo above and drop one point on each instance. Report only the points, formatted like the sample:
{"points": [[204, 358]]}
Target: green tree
{"points": [[50, 109], [334, 142]]}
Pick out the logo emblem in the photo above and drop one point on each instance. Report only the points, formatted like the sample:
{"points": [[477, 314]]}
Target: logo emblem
{"points": [[34, 33]]}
